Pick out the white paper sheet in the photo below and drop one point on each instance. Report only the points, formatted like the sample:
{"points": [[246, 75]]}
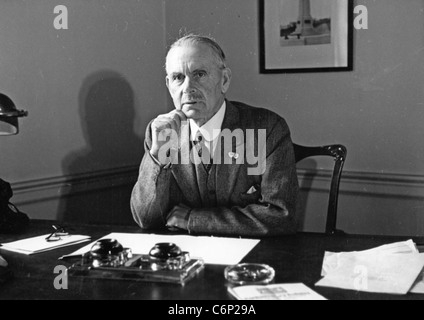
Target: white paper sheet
{"points": [[39, 244], [392, 268], [213, 250], [332, 259], [419, 285], [392, 274]]}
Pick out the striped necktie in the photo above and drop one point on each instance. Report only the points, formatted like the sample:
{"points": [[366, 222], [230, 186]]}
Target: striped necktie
{"points": [[203, 151]]}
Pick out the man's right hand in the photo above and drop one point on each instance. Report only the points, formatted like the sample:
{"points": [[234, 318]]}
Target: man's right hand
{"points": [[172, 120]]}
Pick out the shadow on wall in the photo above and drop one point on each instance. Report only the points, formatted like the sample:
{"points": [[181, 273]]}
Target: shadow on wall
{"points": [[107, 112]]}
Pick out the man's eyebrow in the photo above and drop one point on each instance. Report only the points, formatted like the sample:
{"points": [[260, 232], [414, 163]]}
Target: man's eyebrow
{"points": [[176, 73], [200, 69]]}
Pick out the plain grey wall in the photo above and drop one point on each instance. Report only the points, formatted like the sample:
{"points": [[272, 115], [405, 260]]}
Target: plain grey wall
{"points": [[95, 85]]}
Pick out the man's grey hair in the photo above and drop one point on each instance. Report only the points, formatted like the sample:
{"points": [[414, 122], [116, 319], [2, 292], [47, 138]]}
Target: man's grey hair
{"points": [[191, 39]]}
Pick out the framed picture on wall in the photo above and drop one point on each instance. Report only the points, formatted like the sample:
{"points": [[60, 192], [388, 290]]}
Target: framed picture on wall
{"points": [[306, 36]]}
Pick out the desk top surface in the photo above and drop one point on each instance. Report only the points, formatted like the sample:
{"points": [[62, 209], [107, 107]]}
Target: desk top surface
{"points": [[296, 258]]}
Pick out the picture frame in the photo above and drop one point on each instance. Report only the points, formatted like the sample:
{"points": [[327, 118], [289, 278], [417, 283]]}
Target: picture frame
{"points": [[306, 36]]}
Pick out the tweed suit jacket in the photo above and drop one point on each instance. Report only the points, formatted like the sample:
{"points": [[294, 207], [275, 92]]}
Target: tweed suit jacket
{"points": [[255, 205]]}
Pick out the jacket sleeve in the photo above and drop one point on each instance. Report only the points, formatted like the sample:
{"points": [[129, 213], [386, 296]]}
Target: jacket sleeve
{"points": [[274, 212], [152, 193]]}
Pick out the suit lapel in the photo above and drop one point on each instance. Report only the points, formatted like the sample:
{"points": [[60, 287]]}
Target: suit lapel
{"points": [[226, 174]]}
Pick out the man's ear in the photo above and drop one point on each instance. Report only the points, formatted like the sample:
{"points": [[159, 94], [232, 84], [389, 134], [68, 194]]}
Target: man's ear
{"points": [[167, 82], [226, 80]]}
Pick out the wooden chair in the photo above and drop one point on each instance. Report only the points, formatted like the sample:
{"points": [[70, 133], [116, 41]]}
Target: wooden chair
{"points": [[338, 152]]}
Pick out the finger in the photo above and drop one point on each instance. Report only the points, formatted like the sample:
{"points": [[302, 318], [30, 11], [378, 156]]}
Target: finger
{"points": [[160, 123], [177, 120], [181, 114], [173, 225], [171, 119], [175, 124], [179, 117], [164, 122]]}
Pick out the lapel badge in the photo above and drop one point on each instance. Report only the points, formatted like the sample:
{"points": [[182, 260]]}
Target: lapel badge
{"points": [[233, 155]]}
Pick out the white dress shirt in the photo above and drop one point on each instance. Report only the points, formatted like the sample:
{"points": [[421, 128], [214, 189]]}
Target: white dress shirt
{"points": [[211, 129]]}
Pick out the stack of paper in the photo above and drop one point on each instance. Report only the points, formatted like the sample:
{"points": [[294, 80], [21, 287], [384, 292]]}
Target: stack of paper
{"points": [[40, 244], [293, 291], [393, 269]]}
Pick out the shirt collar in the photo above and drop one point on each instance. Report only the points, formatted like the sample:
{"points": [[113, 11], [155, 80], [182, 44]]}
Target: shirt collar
{"points": [[211, 129]]}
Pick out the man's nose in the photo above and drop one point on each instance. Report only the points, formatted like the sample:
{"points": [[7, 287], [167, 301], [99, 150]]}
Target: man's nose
{"points": [[188, 86]]}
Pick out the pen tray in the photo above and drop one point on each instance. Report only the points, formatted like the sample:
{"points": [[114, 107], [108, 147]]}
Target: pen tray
{"points": [[138, 268]]}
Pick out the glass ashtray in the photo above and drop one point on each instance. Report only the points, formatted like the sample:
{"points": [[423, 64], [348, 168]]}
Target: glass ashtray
{"points": [[249, 273]]}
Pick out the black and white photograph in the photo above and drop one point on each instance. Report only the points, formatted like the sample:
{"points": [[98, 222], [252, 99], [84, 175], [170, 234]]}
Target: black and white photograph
{"points": [[208, 154], [306, 36]]}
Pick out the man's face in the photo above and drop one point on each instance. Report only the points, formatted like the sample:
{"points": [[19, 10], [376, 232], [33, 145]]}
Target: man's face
{"points": [[196, 81]]}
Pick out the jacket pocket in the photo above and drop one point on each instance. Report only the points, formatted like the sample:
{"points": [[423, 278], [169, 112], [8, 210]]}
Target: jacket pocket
{"points": [[250, 196]]}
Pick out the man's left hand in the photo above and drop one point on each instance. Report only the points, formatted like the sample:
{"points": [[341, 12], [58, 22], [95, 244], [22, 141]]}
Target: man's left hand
{"points": [[178, 218]]}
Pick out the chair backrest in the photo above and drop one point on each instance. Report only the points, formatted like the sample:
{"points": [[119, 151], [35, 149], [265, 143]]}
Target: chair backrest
{"points": [[338, 152]]}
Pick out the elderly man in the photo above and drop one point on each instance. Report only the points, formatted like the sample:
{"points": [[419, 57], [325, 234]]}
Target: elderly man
{"points": [[194, 175]]}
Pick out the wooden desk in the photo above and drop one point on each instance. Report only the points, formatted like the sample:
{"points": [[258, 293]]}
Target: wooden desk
{"points": [[295, 258]]}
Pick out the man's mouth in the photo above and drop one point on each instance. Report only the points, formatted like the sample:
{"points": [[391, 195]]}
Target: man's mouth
{"points": [[190, 103]]}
